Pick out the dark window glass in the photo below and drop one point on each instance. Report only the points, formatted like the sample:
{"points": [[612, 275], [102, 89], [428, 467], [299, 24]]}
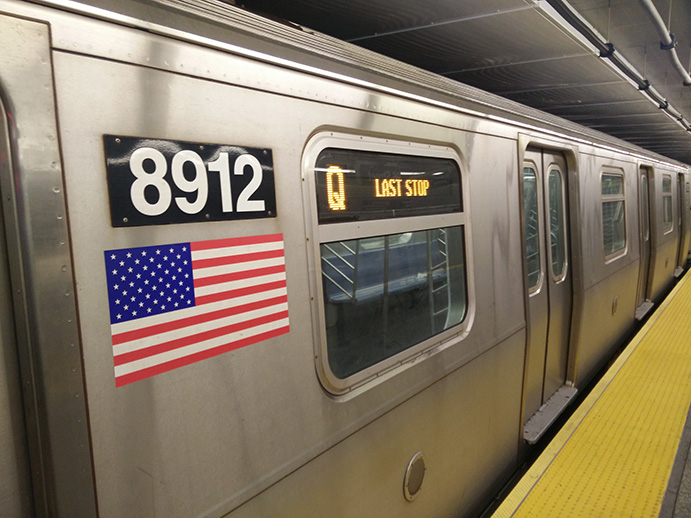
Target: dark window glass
{"points": [[666, 203], [557, 232], [613, 214], [532, 227], [383, 295]]}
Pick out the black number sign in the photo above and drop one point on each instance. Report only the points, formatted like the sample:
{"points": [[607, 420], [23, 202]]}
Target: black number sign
{"points": [[157, 182]]}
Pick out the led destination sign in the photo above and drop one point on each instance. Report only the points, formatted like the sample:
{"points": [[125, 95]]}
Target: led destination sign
{"points": [[364, 185]]}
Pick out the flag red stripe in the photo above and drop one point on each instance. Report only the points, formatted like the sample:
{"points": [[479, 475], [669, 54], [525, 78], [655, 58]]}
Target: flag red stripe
{"points": [[171, 345], [240, 292], [235, 241], [238, 276], [201, 355], [137, 334], [235, 259]]}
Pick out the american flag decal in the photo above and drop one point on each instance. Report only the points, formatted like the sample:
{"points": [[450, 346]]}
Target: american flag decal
{"points": [[172, 305]]}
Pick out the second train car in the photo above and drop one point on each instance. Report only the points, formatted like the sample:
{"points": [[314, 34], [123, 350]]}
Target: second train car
{"points": [[248, 270]]}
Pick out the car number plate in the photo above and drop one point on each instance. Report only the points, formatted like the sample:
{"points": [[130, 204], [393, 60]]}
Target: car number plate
{"points": [[158, 182]]}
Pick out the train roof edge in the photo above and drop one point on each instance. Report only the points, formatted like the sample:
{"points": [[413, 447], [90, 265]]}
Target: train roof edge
{"points": [[293, 42]]}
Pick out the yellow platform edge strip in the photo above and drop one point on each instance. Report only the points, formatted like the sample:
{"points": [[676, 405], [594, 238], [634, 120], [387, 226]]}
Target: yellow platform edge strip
{"points": [[513, 502]]}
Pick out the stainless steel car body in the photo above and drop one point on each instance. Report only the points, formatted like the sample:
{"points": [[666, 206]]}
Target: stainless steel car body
{"points": [[253, 432]]}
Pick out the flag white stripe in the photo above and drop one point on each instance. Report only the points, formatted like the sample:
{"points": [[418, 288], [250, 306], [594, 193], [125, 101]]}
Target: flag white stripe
{"points": [[175, 334], [236, 250], [236, 285], [144, 363], [202, 273], [164, 318]]}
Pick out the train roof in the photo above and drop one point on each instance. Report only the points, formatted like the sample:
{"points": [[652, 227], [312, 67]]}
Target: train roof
{"points": [[292, 46]]}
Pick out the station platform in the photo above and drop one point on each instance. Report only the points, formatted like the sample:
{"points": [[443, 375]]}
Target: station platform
{"points": [[624, 450]]}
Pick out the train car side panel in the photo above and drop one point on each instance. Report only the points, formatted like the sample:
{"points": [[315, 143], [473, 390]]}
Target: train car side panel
{"points": [[208, 436], [465, 454]]}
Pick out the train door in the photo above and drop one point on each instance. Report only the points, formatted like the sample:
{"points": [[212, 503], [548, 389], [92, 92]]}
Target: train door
{"points": [[683, 224], [687, 212], [644, 304], [545, 206], [47, 342], [15, 484]]}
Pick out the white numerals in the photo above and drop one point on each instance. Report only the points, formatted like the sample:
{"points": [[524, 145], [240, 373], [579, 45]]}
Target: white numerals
{"points": [[199, 184], [244, 202], [222, 166], [154, 179], [152, 195]]}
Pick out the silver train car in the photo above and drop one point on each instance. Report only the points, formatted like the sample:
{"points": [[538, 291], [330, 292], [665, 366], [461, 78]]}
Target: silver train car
{"points": [[247, 270]]}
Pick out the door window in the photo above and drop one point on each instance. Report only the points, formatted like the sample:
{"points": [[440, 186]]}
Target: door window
{"points": [[557, 232], [613, 215], [667, 219], [532, 228]]}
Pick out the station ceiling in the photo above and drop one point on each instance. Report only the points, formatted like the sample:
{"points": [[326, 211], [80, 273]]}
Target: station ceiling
{"points": [[595, 62]]}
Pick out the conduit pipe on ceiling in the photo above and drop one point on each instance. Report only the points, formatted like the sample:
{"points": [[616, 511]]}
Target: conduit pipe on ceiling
{"points": [[668, 41], [607, 51]]}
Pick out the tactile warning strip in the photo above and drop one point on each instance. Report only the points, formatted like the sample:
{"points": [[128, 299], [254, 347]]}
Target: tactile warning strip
{"points": [[614, 456]]}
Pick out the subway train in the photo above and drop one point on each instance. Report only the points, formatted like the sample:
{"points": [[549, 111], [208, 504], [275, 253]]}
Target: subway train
{"points": [[249, 270]]}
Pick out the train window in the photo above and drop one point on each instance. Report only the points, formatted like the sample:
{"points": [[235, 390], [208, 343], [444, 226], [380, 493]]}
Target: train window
{"points": [[557, 232], [383, 295], [532, 223], [613, 214], [667, 218], [390, 255], [644, 212]]}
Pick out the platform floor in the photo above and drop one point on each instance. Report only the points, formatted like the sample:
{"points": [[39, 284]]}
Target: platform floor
{"points": [[615, 456]]}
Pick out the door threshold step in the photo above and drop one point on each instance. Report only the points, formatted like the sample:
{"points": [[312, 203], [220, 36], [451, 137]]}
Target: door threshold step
{"points": [[677, 273], [538, 424], [644, 309]]}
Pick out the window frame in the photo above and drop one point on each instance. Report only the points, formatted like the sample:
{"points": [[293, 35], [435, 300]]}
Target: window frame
{"points": [[613, 198], [318, 234]]}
